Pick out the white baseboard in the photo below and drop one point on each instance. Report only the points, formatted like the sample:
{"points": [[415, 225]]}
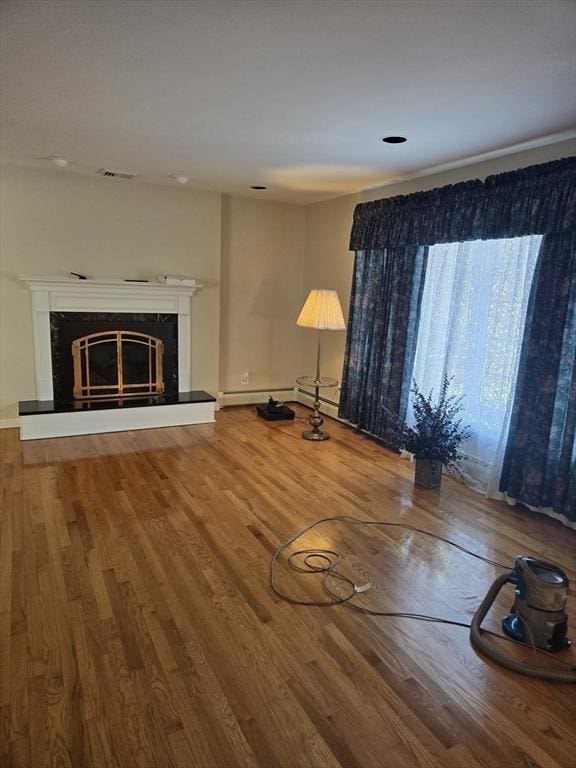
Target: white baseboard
{"points": [[253, 397], [10, 423]]}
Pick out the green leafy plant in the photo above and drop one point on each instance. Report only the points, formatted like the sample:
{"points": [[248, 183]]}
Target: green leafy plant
{"points": [[437, 432]]}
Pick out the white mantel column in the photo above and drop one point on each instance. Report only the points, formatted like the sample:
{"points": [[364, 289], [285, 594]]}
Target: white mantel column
{"points": [[184, 343], [42, 347]]}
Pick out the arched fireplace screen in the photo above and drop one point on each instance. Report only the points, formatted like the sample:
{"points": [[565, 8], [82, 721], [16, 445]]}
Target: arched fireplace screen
{"points": [[117, 363]]}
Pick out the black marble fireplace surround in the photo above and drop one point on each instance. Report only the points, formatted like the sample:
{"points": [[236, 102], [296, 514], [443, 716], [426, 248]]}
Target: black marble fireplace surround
{"points": [[65, 327]]}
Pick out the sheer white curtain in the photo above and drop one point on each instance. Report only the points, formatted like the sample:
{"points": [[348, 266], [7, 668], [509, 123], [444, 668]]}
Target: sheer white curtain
{"points": [[471, 327]]}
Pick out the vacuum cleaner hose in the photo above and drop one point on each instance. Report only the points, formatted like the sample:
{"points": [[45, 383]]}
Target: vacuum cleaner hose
{"points": [[482, 645]]}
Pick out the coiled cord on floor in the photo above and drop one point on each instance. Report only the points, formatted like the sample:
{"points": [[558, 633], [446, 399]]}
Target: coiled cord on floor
{"points": [[329, 560], [329, 570]]}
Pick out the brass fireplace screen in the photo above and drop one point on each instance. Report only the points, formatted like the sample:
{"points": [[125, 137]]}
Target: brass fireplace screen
{"points": [[117, 363]]}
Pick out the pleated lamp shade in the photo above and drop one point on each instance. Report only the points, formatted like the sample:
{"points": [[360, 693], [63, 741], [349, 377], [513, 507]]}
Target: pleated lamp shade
{"points": [[322, 310]]}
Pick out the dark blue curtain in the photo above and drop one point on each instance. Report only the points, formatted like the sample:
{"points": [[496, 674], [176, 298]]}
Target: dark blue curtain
{"points": [[390, 238], [537, 200], [540, 461], [381, 343]]}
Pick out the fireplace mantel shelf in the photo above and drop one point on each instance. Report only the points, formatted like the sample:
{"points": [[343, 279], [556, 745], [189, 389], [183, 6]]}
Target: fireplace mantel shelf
{"points": [[72, 284]]}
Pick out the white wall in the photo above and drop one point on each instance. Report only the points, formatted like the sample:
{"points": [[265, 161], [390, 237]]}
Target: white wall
{"points": [[262, 269], [328, 262], [52, 222]]}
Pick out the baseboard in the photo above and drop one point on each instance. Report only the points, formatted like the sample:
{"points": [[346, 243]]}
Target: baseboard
{"points": [[10, 423], [327, 407], [255, 396]]}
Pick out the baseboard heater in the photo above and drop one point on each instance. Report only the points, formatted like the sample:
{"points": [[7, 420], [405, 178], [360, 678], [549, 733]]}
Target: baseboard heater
{"points": [[255, 396], [327, 407]]}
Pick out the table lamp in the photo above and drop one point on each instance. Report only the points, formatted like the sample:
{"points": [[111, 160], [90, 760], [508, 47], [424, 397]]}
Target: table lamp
{"points": [[322, 311]]}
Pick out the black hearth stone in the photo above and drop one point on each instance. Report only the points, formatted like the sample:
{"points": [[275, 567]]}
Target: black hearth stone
{"points": [[37, 407]]}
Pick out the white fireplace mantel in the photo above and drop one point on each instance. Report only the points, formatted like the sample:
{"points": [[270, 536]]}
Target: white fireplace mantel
{"points": [[62, 294]]}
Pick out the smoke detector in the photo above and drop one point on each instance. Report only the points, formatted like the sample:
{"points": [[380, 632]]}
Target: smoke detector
{"points": [[179, 179], [116, 174], [59, 162]]}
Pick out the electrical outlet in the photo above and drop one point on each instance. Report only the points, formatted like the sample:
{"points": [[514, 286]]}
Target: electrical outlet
{"points": [[245, 377]]}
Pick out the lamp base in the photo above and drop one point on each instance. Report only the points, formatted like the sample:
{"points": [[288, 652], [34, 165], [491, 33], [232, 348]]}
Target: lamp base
{"points": [[315, 434], [315, 420]]}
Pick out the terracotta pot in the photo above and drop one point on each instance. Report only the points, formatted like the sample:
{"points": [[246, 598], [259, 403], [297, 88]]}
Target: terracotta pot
{"points": [[428, 473]]}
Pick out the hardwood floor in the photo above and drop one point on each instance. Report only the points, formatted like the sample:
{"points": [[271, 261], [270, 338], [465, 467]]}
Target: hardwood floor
{"points": [[137, 626]]}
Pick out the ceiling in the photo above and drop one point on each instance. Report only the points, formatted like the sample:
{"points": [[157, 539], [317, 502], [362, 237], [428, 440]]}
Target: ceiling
{"points": [[291, 94]]}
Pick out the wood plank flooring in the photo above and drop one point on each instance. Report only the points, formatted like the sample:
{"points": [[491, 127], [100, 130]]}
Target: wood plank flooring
{"points": [[138, 629]]}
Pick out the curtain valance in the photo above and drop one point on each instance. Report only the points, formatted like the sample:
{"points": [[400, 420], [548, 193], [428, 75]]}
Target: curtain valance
{"points": [[540, 199]]}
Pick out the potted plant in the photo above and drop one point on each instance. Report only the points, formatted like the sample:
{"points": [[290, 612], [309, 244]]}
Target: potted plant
{"points": [[435, 438]]}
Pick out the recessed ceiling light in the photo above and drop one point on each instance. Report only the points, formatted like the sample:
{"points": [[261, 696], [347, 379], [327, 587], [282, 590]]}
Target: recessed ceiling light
{"points": [[60, 162], [257, 187], [394, 139], [179, 179]]}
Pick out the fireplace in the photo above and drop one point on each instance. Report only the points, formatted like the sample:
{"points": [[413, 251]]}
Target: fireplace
{"points": [[99, 355], [111, 355], [117, 363]]}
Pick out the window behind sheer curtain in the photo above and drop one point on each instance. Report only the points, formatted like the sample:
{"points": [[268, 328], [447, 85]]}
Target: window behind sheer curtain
{"points": [[471, 327]]}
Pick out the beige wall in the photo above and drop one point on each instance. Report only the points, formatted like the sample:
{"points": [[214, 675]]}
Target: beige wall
{"points": [[328, 262], [257, 259], [249, 254], [476, 171], [262, 268], [52, 222]]}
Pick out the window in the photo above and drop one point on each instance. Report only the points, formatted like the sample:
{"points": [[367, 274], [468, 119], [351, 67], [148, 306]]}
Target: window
{"points": [[471, 327]]}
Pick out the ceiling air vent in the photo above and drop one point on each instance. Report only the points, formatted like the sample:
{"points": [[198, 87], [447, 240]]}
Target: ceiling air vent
{"points": [[115, 174]]}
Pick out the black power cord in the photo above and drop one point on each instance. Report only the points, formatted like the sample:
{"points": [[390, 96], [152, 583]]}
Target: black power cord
{"points": [[329, 559]]}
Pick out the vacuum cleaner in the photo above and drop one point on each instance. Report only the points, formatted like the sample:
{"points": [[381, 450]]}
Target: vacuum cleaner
{"points": [[538, 616]]}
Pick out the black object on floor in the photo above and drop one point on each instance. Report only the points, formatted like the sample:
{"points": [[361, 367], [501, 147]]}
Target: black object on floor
{"points": [[274, 410]]}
